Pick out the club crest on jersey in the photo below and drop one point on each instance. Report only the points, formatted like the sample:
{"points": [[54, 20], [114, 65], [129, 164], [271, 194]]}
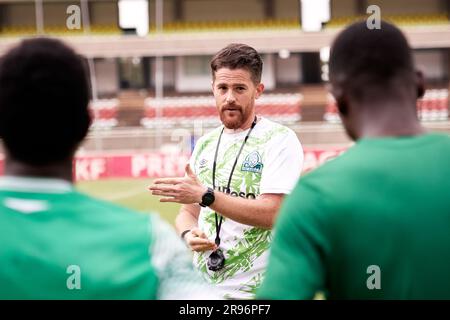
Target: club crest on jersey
{"points": [[252, 163]]}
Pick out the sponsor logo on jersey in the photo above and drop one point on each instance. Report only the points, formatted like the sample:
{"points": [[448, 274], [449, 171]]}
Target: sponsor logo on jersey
{"points": [[226, 190], [203, 163]]}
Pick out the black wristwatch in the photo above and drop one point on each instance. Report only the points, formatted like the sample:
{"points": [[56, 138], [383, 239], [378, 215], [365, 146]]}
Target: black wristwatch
{"points": [[208, 198]]}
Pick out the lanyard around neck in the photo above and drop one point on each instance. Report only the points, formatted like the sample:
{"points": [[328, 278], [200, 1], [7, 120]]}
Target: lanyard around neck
{"points": [[219, 224]]}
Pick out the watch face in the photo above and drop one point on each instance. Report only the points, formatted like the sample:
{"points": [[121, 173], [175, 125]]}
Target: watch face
{"points": [[208, 198]]}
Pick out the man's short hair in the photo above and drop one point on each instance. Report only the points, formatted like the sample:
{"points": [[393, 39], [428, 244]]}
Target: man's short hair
{"points": [[366, 62], [44, 94], [238, 56]]}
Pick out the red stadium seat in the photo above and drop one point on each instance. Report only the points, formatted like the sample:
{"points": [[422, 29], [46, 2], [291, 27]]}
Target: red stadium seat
{"points": [[185, 110]]}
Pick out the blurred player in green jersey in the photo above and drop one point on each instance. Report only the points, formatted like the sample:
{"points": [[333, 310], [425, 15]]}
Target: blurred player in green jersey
{"points": [[373, 223], [57, 243]]}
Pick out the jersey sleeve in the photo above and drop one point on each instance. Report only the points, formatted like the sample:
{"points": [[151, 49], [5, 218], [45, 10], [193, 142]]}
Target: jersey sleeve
{"points": [[195, 152], [178, 280], [283, 165], [296, 268]]}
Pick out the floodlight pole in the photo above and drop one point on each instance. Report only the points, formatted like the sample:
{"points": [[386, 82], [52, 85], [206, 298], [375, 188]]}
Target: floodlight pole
{"points": [[159, 71], [93, 78], [39, 11], [85, 15]]}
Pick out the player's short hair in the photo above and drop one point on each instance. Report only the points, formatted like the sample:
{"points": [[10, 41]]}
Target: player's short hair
{"points": [[367, 62], [44, 96], [238, 56]]}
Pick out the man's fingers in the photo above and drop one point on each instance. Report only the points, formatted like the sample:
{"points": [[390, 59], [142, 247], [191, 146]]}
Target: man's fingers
{"points": [[165, 191], [200, 248], [198, 233], [168, 181], [162, 188], [164, 194], [171, 199], [199, 241]]}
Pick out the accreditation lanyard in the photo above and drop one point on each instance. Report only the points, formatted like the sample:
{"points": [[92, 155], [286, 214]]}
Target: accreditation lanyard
{"points": [[219, 224]]}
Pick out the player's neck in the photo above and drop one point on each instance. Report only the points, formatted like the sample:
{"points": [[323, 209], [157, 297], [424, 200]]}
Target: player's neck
{"points": [[62, 170], [390, 124]]}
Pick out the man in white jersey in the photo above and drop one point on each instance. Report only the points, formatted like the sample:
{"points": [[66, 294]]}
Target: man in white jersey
{"points": [[236, 179]]}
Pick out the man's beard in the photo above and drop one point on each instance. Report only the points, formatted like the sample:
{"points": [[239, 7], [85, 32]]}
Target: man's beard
{"points": [[237, 117]]}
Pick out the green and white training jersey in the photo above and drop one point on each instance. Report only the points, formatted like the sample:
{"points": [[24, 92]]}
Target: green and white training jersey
{"points": [[270, 162], [57, 243]]}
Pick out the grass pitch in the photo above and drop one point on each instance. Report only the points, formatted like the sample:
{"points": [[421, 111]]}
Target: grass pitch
{"points": [[130, 193]]}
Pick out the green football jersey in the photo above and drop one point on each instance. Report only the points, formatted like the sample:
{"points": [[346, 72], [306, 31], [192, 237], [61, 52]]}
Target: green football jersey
{"points": [[270, 162], [373, 223], [57, 243]]}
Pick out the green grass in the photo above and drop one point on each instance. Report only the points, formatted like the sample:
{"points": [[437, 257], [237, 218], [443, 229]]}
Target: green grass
{"points": [[130, 193]]}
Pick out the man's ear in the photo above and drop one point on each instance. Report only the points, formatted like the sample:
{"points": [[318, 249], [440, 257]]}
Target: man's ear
{"points": [[341, 99], [342, 105], [259, 90], [420, 84]]}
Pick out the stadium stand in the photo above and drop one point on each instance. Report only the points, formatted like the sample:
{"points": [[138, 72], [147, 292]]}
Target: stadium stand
{"points": [[331, 114], [104, 113], [194, 26], [226, 26], [58, 30], [432, 107], [401, 20], [172, 111], [15, 31]]}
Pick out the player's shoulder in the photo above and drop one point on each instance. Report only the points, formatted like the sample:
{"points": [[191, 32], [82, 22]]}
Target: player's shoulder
{"points": [[276, 132], [209, 136], [274, 127]]}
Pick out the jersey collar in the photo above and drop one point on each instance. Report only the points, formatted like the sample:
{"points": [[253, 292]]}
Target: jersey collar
{"points": [[35, 185]]}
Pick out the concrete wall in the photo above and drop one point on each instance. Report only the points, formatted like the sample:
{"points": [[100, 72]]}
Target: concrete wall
{"points": [[343, 8], [104, 13], [168, 72], [432, 63], [287, 9], [223, 10], [107, 76], [168, 9], [268, 75], [288, 70], [55, 14], [188, 82], [226, 10], [19, 14], [403, 7]]}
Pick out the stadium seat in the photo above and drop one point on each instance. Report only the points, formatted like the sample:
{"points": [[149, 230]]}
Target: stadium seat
{"points": [[402, 20], [173, 111], [104, 113], [331, 114], [58, 30], [434, 105]]}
